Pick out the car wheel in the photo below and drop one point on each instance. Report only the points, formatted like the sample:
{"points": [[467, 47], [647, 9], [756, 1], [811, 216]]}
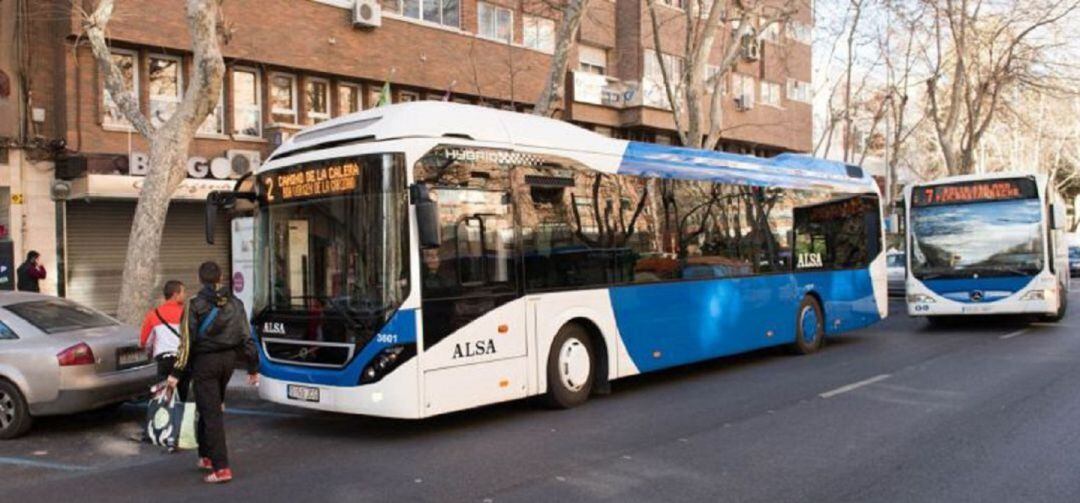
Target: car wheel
{"points": [[571, 368], [14, 414], [809, 326]]}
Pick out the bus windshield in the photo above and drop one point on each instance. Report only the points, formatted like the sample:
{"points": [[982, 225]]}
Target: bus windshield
{"points": [[333, 239], [991, 238]]}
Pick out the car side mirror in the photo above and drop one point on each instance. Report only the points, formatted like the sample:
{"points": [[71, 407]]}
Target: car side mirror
{"points": [[427, 216]]}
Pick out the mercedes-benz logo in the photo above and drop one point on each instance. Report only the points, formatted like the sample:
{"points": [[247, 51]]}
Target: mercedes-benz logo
{"points": [[306, 352], [976, 296]]}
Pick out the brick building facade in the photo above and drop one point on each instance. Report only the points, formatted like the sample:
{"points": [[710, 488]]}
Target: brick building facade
{"points": [[68, 163]]}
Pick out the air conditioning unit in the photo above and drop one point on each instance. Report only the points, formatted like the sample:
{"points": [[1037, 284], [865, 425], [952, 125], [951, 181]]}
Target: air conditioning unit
{"points": [[367, 14], [751, 48], [244, 161], [744, 102]]}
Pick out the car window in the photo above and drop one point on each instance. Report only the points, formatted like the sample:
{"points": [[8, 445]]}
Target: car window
{"points": [[6, 333], [54, 316]]}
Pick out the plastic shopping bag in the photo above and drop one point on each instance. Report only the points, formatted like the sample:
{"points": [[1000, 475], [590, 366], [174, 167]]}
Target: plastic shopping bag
{"points": [[188, 419], [164, 415]]}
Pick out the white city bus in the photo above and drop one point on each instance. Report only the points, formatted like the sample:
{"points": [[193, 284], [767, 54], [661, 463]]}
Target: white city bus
{"points": [[986, 244], [423, 258]]}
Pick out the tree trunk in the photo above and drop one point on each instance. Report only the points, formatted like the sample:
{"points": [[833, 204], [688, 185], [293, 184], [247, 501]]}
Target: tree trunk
{"points": [[551, 94]]}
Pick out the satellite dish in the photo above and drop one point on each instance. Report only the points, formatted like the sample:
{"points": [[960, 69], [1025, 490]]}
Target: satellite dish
{"points": [[241, 165]]}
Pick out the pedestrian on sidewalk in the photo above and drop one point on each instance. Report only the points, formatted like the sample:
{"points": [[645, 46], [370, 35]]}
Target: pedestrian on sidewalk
{"points": [[30, 273], [214, 335], [160, 334]]}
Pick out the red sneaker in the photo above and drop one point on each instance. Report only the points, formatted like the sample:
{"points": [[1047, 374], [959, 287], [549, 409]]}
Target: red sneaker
{"points": [[219, 477], [205, 464]]}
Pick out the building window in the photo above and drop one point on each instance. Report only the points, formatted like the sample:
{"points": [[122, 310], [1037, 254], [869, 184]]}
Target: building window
{"points": [[164, 77], [714, 79], [742, 87], [214, 125], [798, 90], [494, 22], [592, 59], [247, 103], [539, 33], [407, 96], [127, 62], [800, 32], [282, 98], [770, 93], [678, 4], [316, 101], [375, 96], [654, 92], [348, 99], [442, 12]]}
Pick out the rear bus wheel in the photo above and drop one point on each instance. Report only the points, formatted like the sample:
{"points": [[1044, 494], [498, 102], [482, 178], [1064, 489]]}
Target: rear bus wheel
{"points": [[571, 367], [809, 326], [14, 414]]}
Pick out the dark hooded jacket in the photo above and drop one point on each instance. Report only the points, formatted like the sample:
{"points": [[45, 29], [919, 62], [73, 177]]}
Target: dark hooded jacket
{"points": [[228, 331]]}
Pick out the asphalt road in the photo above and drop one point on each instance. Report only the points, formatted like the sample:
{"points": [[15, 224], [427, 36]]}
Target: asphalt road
{"points": [[897, 412]]}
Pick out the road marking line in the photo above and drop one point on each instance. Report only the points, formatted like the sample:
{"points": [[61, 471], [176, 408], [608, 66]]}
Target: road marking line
{"points": [[1010, 335], [33, 463], [854, 386]]}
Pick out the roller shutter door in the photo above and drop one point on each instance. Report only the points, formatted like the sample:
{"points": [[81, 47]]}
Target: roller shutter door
{"points": [[97, 236]]}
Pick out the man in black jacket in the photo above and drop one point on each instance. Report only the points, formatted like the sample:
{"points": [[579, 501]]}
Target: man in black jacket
{"points": [[214, 334]]}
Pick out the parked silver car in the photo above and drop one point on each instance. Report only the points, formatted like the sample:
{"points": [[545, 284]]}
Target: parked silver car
{"points": [[896, 264], [58, 357]]}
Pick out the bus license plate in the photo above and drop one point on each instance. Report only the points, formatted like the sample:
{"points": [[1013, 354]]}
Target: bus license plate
{"points": [[131, 356], [304, 393]]}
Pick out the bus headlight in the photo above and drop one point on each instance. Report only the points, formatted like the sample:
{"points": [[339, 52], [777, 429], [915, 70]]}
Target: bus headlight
{"points": [[386, 361], [1034, 295], [918, 298]]}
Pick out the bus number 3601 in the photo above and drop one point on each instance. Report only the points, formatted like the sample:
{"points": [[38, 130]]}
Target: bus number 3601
{"points": [[386, 338]]}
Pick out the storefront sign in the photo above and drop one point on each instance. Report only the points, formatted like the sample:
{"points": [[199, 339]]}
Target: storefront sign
{"points": [[219, 168], [243, 260], [129, 187]]}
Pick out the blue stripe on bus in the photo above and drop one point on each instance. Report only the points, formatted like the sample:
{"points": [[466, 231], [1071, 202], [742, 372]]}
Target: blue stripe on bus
{"points": [[668, 324], [402, 325], [996, 288]]}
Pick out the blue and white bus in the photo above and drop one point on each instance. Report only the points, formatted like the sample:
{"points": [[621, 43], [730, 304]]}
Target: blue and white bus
{"points": [[424, 258], [986, 244]]}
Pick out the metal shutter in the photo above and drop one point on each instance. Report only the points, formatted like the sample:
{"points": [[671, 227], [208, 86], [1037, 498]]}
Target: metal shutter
{"points": [[97, 236]]}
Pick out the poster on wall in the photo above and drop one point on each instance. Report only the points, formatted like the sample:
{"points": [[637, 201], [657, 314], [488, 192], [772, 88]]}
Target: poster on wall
{"points": [[243, 261]]}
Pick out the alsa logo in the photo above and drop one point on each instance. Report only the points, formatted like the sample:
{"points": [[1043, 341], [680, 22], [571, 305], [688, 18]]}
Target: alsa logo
{"points": [[807, 260], [476, 348], [274, 327]]}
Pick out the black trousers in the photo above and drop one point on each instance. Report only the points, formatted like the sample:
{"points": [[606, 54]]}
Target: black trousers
{"points": [[165, 365], [210, 373]]}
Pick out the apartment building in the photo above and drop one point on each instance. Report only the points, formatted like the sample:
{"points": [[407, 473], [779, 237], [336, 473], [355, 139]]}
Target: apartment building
{"points": [[70, 165]]}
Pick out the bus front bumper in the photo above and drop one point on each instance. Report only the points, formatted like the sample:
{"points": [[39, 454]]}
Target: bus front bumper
{"points": [[1016, 304], [395, 396]]}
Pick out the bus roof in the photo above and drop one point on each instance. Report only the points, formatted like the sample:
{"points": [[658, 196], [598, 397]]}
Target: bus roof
{"points": [[455, 121]]}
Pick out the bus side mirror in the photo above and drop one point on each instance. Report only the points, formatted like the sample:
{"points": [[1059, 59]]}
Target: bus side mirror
{"points": [[1057, 217], [221, 200], [427, 217]]}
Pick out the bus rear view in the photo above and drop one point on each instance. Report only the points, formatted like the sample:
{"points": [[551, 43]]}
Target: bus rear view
{"points": [[985, 245]]}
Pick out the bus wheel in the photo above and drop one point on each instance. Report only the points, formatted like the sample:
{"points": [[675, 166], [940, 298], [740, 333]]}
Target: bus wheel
{"points": [[14, 414], [1063, 306], [570, 367], [809, 326]]}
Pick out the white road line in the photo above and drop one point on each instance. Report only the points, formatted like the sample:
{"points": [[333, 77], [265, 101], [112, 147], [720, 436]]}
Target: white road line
{"points": [[854, 386], [1010, 335], [34, 463]]}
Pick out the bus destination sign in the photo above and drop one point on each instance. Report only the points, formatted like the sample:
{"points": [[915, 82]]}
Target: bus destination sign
{"points": [[971, 192], [319, 180]]}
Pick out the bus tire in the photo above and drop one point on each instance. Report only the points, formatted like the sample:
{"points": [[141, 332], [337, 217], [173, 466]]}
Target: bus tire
{"points": [[14, 413], [1062, 307], [809, 326], [571, 367]]}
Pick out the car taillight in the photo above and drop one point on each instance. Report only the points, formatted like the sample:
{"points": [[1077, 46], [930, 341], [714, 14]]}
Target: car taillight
{"points": [[79, 354]]}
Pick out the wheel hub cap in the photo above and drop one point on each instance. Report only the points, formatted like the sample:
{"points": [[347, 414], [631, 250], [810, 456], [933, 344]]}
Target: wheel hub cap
{"points": [[7, 410], [574, 364]]}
